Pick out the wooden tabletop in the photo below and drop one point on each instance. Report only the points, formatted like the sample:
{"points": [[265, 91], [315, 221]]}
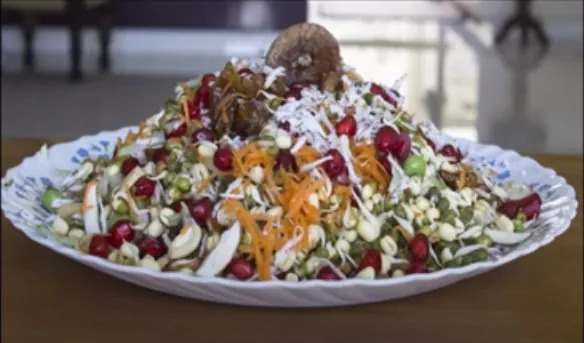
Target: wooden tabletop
{"points": [[48, 298]]}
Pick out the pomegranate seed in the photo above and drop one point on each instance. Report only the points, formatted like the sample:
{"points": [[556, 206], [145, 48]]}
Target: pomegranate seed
{"points": [[223, 159], [121, 231], [203, 97], [245, 72], [418, 248], [326, 273], [417, 268], [240, 268], [144, 187], [200, 210], [346, 126], [401, 147], [203, 135], [194, 111], [98, 246], [161, 155], [178, 132], [378, 90], [152, 246], [284, 126], [343, 178], [385, 138], [286, 161], [176, 207], [451, 152], [371, 258], [208, 79], [128, 165], [295, 93], [336, 165], [382, 158], [300, 85], [530, 206]]}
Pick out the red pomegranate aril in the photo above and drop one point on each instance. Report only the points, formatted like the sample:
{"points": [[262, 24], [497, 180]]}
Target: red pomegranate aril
{"points": [[144, 187], [326, 273], [223, 159], [343, 178], [152, 246], [128, 165], [385, 138], [416, 268], [208, 79], [161, 155], [428, 140], [346, 126], [203, 135], [286, 161], [245, 72], [240, 268], [300, 85], [193, 109], [530, 206], [99, 246], [200, 209], [176, 207], [451, 152], [203, 97], [378, 90], [419, 248], [336, 165], [284, 126], [178, 132], [121, 231], [295, 93], [371, 258], [401, 147]]}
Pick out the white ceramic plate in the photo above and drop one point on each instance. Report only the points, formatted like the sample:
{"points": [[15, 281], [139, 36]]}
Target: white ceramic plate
{"points": [[21, 207]]}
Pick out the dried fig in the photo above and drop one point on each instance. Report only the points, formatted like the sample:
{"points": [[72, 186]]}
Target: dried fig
{"points": [[309, 52]]}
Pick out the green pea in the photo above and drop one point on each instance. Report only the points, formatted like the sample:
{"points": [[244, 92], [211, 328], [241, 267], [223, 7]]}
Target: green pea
{"points": [[448, 216], [400, 212], [115, 217], [454, 263], [415, 166], [190, 156], [173, 166], [142, 203], [122, 208], [432, 193], [368, 97], [480, 255], [518, 226], [50, 195], [426, 230], [484, 240], [443, 204], [168, 179], [273, 151], [182, 184], [274, 103], [174, 193], [321, 252], [246, 238], [453, 246], [467, 259], [466, 214], [387, 205]]}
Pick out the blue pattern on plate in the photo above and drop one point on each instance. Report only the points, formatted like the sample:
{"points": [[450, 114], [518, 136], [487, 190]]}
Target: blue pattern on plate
{"points": [[46, 181], [82, 152]]}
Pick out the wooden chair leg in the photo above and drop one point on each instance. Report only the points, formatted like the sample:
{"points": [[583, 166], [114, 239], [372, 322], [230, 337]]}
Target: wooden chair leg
{"points": [[75, 12], [28, 33], [105, 26]]}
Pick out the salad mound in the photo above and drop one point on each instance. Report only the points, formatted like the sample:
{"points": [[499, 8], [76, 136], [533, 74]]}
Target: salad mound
{"points": [[291, 167]]}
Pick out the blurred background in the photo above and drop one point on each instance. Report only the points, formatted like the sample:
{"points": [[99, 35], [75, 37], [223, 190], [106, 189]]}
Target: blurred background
{"points": [[76, 67]]}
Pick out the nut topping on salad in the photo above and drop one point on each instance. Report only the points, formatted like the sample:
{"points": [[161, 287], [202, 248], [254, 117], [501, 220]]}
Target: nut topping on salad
{"points": [[246, 176]]}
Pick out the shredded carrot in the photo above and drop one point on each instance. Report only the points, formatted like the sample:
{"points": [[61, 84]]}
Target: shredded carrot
{"points": [[368, 167], [307, 154]]}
